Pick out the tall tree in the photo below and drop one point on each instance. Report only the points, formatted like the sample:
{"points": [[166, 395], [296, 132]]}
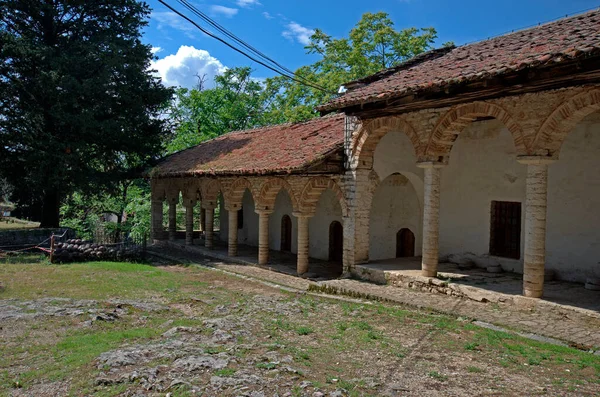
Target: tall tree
{"points": [[372, 45], [79, 109], [237, 102]]}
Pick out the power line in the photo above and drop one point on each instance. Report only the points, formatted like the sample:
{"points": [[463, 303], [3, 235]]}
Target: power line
{"points": [[274, 69], [228, 33]]}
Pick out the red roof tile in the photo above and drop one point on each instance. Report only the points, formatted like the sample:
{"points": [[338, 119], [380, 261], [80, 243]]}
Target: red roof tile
{"points": [[274, 149], [548, 44]]}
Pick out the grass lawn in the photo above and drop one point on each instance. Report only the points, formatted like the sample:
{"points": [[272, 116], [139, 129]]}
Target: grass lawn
{"points": [[10, 223], [104, 329]]}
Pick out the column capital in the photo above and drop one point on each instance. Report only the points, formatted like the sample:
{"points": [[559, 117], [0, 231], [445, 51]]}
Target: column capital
{"points": [[536, 160], [189, 203], [298, 214], [431, 164], [233, 207], [208, 205], [263, 212]]}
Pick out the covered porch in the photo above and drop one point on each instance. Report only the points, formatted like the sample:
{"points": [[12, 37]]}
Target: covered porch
{"points": [[476, 284], [278, 261]]}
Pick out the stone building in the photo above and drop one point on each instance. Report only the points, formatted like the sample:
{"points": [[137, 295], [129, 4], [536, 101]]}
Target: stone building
{"points": [[490, 149]]}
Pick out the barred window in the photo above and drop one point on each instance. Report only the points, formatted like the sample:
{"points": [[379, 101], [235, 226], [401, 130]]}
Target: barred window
{"points": [[505, 233]]}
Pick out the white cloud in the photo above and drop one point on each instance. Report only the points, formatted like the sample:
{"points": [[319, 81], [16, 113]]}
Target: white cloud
{"points": [[172, 20], [297, 32], [222, 10], [247, 3], [267, 15], [156, 50], [182, 68]]}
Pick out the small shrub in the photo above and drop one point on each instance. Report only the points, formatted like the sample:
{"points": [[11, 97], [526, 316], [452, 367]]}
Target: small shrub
{"points": [[302, 330], [438, 376], [225, 372], [475, 370]]}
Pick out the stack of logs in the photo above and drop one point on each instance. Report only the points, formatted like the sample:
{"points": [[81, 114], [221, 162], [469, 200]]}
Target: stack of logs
{"points": [[80, 250]]}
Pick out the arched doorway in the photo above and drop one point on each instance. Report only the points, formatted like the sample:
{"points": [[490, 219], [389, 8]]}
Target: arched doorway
{"points": [[286, 233], [336, 242], [405, 243]]}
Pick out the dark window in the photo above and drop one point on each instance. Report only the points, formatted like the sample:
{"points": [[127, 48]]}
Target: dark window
{"points": [[405, 243], [505, 233], [336, 242], [286, 233], [241, 218]]}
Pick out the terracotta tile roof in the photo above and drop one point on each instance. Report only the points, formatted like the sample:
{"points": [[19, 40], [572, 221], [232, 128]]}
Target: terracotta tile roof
{"points": [[275, 149], [541, 46]]}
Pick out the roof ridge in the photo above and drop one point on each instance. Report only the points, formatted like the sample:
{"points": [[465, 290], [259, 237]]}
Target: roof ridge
{"points": [[439, 52], [531, 27]]}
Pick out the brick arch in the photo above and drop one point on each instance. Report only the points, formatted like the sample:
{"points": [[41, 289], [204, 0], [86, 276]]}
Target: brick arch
{"points": [[371, 132], [235, 193], [549, 138], [458, 117], [191, 192], [269, 191], [210, 190], [312, 192], [158, 190]]}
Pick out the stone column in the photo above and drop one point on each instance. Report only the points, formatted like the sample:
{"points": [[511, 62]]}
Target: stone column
{"points": [[263, 236], [157, 219], [208, 228], [431, 218], [536, 196], [232, 240], [358, 190], [172, 219], [302, 264], [189, 224]]}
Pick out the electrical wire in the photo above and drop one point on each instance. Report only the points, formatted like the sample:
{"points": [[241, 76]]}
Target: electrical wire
{"points": [[228, 33], [203, 30]]}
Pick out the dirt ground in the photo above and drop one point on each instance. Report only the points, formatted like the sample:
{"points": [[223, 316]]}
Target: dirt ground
{"points": [[137, 330]]}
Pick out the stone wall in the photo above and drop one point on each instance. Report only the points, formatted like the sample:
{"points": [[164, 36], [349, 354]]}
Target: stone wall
{"points": [[28, 236]]}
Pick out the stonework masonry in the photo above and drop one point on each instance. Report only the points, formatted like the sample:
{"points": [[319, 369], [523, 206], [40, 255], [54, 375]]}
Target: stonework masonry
{"points": [[538, 124]]}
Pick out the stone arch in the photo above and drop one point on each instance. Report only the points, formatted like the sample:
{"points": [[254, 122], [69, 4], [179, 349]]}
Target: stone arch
{"points": [[371, 132], [191, 192], [454, 121], [159, 189], [549, 138], [269, 191], [312, 192], [236, 191], [210, 193]]}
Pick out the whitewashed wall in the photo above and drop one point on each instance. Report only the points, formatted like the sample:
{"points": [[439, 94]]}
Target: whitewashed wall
{"points": [[573, 226], [328, 210], [248, 234], [395, 206], [397, 202], [483, 167], [283, 206]]}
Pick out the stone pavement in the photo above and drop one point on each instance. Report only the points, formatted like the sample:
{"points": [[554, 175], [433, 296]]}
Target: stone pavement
{"points": [[577, 328], [478, 284]]}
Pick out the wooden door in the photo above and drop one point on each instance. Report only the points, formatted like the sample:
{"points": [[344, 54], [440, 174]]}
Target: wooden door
{"points": [[336, 242], [405, 243], [286, 233]]}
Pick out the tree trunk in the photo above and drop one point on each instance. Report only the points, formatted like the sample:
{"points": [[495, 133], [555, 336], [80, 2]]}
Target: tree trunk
{"points": [[51, 209]]}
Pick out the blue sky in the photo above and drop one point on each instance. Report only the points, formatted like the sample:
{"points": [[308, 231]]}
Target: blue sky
{"points": [[280, 28]]}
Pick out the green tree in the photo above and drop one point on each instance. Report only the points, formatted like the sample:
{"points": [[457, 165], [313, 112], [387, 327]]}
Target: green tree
{"points": [[372, 45], [237, 102], [79, 109]]}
